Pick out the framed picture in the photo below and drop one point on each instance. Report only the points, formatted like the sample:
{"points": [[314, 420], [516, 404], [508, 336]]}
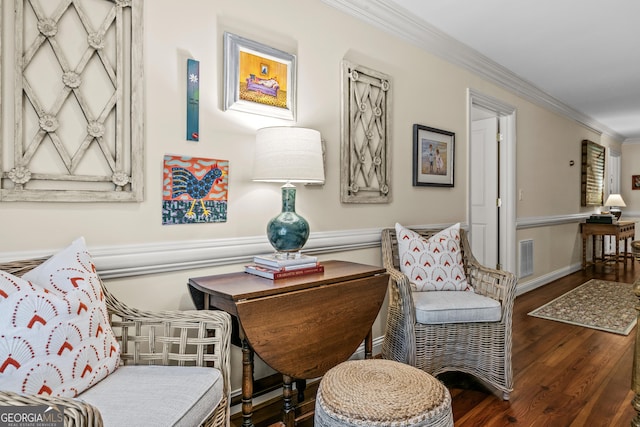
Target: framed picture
{"points": [[635, 182], [433, 156], [258, 79], [592, 174]]}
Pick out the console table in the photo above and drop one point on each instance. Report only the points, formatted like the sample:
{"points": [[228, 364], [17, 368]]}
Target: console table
{"points": [[299, 326], [621, 230]]}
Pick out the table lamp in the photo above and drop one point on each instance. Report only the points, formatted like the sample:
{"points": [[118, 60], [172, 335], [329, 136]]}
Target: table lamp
{"points": [[290, 155], [615, 202]]}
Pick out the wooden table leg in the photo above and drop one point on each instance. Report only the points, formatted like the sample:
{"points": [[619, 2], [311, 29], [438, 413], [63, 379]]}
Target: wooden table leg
{"points": [[247, 384], [617, 253], [288, 410], [301, 386], [368, 346], [584, 252]]}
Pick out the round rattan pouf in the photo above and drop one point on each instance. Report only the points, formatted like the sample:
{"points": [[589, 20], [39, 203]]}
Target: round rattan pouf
{"points": [[378, 392]]}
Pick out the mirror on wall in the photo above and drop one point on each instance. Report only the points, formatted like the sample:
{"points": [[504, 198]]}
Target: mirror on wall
{"points": [[593, 156]]}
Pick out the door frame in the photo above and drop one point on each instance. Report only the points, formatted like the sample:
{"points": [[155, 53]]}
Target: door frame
{"points": [[614, 164], [506, 115]]}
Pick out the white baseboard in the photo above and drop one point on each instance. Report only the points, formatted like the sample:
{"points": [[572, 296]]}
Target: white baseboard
{"points": [[530, 285]]}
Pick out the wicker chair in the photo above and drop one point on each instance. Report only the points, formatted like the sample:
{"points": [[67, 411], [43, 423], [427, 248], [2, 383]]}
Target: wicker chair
{"points": [[481, 349], [182, 338]]}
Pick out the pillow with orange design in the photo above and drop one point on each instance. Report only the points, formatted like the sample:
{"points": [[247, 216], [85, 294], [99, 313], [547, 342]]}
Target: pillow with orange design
{"points": [[433, 264], [55, 336]]}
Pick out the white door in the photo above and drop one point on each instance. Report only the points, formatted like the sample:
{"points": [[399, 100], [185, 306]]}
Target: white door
{"points": [[613, 178], [484, 191], [492, 177], [614, 172]]}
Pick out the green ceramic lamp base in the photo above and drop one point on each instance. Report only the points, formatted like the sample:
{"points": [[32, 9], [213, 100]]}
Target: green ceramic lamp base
{"points": [[288, 232]]}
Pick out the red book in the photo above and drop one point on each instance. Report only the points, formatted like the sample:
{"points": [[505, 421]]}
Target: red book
{"points": [[288, 267], [272, 274]]}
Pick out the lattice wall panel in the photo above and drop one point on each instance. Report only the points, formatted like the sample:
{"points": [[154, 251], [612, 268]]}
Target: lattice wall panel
{"points": [[365, 163], [78, 102]]}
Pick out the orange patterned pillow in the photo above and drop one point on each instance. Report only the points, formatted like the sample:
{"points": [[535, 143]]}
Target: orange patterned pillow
{"points": [[55, 337], [433, 264]]}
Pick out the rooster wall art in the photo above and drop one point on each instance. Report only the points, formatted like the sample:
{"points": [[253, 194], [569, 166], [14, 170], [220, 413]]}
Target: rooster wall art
{"points": [[194, 190]]}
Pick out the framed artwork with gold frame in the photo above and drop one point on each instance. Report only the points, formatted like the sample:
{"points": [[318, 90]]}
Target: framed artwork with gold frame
{"points": [[258, 79], [635, 182]]}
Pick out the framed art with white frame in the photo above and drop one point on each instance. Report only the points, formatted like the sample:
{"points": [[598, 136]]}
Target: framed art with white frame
{"points": [[433, 156], [258, 79]]}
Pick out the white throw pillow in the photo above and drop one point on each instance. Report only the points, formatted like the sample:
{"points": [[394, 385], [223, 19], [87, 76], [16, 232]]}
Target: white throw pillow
{"points": [[55, 337], [433, 264]]}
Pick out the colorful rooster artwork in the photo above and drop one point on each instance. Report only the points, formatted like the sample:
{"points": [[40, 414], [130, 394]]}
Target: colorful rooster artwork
{"points": [[194, 190]]}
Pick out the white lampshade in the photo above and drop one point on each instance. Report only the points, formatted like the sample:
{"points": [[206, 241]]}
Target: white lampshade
{"points": [[615, 200], [288, 154]]}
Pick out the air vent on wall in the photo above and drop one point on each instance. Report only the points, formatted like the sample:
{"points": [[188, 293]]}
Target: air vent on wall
{"points": [[526, 258]]}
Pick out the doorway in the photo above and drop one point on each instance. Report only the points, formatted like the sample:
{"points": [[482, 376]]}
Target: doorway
{"points": [[613, 172], [613, 187], [492, 181]]}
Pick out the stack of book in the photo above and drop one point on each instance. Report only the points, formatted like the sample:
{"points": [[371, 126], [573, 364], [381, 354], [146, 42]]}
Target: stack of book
{"points": [[601, 219], [273, 267]]}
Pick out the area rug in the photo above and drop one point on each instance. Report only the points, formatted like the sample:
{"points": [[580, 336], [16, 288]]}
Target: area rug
{"points": [[598, 304]]}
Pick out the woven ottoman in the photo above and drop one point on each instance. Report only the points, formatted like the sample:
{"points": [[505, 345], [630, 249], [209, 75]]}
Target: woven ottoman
{"points": [[380, 392]]}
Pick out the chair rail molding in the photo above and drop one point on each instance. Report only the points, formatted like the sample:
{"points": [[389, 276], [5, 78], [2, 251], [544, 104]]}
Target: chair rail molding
{"points": [[547, 221], [161, 257]]}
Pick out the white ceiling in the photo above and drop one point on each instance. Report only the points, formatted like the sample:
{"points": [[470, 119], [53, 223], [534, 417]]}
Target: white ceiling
{"points": [[583, 53]]}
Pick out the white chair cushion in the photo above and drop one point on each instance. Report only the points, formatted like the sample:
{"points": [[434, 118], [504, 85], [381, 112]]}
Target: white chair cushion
{"points": [[156, 396], [437, 307]]}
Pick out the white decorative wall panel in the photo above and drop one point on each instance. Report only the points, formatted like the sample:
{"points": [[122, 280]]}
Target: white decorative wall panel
{"points": [[365, 161], [78, 132]]}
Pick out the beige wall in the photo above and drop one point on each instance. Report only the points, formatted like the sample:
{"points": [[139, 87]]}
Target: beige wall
{"points": [[426, 90], [630, 166]]}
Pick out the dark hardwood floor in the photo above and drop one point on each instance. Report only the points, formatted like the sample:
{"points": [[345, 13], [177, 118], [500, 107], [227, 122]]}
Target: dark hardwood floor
{"points": [[564, 375]]}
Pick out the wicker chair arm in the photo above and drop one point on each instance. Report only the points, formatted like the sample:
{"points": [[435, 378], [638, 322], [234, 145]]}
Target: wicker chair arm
{"points": [[401, 319], [497, 284], [401, 297], [183, 338], [76, 412], [402, 285]]}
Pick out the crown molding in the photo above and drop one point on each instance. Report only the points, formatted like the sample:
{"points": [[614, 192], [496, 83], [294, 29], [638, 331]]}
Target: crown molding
{"points": [[393, 19]]}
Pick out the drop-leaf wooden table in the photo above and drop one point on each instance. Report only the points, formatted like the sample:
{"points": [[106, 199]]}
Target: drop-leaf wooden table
{"points": [[299, 326]]}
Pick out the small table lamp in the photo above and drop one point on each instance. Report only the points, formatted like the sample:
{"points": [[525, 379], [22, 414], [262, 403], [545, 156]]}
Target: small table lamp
{"points": [[289, 155], [615, 202]]}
